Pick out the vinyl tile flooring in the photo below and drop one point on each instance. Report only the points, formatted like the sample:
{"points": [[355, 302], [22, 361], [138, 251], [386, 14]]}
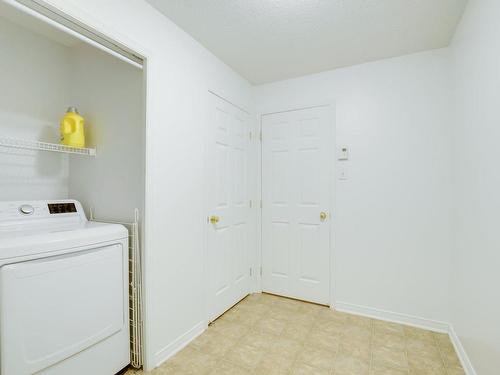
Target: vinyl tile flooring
{"points": [[270, 335]]}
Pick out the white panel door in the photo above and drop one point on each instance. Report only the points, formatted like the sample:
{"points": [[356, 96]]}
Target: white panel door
{"points": [[296, 170], [228, 258]]}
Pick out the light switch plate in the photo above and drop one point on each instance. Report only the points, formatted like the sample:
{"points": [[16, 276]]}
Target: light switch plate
{"points": [[342, 176]]}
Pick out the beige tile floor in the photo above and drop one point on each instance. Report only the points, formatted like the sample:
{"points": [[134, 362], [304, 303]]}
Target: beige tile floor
{"points": [[269, 335]]}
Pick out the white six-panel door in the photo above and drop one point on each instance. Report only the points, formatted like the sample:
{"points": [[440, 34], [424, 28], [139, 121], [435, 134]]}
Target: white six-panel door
{"points": [[296, 170], [229, 205]]}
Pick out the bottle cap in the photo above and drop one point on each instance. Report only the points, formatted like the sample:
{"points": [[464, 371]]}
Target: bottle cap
{"points": [[72, 110]]}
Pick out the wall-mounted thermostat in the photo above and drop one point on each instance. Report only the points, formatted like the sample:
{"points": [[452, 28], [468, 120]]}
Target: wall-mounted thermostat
{"points": [[343, 153]]}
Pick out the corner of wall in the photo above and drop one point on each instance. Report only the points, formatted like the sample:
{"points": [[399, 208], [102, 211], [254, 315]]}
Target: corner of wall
{"points": [[177, 345]]}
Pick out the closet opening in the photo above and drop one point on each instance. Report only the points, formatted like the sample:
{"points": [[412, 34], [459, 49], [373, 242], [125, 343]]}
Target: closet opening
{"points": [[48, 66]]}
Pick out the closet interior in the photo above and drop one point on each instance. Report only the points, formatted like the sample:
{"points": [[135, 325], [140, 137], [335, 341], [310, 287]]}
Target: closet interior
{"points": [[44, 71]]}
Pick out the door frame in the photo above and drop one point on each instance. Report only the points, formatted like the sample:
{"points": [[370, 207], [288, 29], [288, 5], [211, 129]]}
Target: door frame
{"points": [[331, 104]]}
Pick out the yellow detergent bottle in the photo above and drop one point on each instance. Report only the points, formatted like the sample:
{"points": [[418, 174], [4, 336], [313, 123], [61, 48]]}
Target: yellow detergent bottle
{"points": [[72, 129]]}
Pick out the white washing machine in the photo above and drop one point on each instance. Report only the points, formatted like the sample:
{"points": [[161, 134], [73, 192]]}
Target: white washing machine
{"points": [[63, 291]]}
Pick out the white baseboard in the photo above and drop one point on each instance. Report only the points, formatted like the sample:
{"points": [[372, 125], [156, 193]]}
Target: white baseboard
{"points": [[177, 345], [462, 354], [414, 321], [428, 324]]}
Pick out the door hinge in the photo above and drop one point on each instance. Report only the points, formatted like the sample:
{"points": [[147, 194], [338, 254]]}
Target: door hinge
{"points": [[250, 271], [250, 135], [261, 271]]}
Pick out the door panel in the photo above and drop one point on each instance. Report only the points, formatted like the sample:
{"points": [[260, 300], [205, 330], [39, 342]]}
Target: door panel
{"points": [[296, 169], [281, 237], [228, 258]]}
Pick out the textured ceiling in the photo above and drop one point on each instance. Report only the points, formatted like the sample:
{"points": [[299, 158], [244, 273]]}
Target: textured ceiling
{"points": [[270, 40]]}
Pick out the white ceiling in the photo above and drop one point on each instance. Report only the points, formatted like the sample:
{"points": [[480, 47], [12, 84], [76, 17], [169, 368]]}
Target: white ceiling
{"points": [[270, 40]]}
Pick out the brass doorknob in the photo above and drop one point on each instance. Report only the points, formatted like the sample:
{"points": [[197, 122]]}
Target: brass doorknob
{"points": [[322, 216], [214, 219]]}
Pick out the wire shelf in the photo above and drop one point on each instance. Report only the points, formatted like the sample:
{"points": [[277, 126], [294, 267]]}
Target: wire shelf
{"points": [[45, 146]]}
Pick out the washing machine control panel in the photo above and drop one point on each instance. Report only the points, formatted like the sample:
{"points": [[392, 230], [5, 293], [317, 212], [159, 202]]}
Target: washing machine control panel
{"points": [[27, 209], [41, 210], [61, 208]]}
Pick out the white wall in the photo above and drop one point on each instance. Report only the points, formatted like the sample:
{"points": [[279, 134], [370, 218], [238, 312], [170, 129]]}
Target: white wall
{"points": [[109, 94], [32, 98], [476, 134], [180, 72], [393, 237], [392, 216]]}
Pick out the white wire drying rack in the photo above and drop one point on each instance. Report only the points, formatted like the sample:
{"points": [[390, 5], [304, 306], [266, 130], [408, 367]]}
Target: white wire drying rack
{"points": [[135, 289], [45, 146]]}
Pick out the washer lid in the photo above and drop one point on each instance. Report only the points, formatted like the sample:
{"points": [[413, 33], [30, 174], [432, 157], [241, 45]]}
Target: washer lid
{"points": [[53, 238]]}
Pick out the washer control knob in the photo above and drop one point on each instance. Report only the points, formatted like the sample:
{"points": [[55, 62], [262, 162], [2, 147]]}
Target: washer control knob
{"points": [[27, 209]]}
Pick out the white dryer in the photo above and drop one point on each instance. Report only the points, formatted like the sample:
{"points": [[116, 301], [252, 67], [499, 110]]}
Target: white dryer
{"points": [[63, 291]]}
